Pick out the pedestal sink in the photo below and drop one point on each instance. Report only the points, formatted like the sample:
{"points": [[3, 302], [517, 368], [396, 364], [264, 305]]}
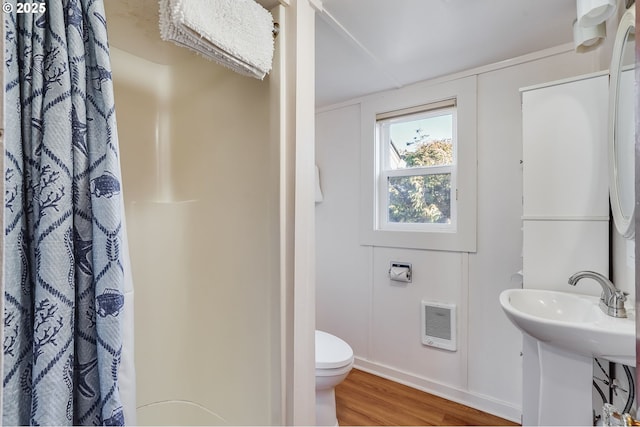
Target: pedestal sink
{"points": [[563, 332], [572, 322]]}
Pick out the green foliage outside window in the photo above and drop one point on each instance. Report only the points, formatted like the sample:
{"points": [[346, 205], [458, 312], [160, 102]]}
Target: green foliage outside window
{"points": [[422, 198]]}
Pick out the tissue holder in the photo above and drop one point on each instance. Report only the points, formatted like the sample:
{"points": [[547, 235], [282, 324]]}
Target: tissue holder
{"points": [[400, 272]]}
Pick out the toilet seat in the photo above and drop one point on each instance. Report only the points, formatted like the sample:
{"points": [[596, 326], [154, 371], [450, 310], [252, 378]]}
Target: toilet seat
{"points": [[332, 353], [334, 359]]}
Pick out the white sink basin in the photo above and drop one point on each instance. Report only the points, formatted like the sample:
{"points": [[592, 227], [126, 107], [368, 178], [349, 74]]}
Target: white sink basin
{"points": [[572, 322]]}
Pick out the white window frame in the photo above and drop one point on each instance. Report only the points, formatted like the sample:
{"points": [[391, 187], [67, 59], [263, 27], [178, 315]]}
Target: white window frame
{"points": [[385, 171], [463, 237]]}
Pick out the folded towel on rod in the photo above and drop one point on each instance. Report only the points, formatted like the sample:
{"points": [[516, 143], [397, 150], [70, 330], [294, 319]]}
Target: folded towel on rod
{"points": [[235, 33]]}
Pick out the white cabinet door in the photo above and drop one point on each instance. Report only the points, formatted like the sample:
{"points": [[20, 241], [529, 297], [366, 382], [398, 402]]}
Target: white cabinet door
{"points": [[554, 250], [565, 183], [565, 150]]}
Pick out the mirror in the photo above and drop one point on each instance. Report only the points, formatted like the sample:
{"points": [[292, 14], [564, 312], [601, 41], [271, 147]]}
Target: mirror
{"points": [[622, 126]]}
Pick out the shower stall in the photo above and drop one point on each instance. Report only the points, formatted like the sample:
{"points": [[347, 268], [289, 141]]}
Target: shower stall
{"points": [[216, 168]]}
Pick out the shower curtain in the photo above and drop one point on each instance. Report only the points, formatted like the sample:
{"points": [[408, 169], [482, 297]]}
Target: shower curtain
{"points": [[64, 269]]}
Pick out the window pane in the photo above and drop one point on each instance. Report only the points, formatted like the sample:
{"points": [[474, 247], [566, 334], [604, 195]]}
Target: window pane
{"points": [[420, 199], [421, 140]]}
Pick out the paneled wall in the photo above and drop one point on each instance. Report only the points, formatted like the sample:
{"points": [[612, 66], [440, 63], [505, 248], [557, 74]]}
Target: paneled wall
{"points": [[356, 300]]}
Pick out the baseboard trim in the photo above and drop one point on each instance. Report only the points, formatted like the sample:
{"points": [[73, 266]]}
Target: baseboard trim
{"points": [[478, 401]]}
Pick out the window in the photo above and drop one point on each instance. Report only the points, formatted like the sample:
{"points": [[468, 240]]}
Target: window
{"points": [[417, 168]]}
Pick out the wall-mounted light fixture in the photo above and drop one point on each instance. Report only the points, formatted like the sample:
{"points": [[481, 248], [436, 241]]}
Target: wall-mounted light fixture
{"points": [[590, 26], [594, 12], [586, 37]]}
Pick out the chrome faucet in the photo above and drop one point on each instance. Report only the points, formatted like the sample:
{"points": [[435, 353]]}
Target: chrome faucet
{"points": [[612, 299]]}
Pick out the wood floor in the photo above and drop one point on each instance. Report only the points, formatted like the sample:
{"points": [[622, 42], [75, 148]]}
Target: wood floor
{"points": [[363, 399]]}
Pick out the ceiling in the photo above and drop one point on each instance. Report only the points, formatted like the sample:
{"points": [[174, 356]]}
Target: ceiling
{"points": [[366, 46]]}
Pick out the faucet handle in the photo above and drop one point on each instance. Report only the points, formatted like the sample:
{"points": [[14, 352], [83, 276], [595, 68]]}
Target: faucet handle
{"points": [[620, 296], [616, 304]]}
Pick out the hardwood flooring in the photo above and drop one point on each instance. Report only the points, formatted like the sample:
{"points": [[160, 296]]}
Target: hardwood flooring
{"points": [[363, 399]]}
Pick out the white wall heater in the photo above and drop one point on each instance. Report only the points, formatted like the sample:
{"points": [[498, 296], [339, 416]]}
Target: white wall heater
{"points": [[439, 325]]}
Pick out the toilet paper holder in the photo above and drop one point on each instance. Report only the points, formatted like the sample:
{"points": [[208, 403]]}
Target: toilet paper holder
{"points": [[400, 272]]}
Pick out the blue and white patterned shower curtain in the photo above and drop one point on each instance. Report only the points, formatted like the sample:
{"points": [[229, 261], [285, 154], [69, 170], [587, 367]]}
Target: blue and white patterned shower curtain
{"points": [[63, 268]]}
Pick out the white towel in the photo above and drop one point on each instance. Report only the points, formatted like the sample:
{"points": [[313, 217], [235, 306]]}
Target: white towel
{"points": [[235, 33]]}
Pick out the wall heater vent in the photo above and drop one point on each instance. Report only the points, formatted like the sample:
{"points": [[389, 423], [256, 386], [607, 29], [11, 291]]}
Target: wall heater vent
{"points": [[439, 325]]}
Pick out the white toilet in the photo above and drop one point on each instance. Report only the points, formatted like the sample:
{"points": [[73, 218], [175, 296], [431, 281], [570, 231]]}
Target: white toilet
{"points": [[334, 359]]}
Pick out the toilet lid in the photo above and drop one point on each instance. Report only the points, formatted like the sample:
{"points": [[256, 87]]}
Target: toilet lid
{"points": [[331, 351]]}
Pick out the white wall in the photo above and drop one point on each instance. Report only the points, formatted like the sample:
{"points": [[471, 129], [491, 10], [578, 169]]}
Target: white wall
{"points": [[355, 299]]}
